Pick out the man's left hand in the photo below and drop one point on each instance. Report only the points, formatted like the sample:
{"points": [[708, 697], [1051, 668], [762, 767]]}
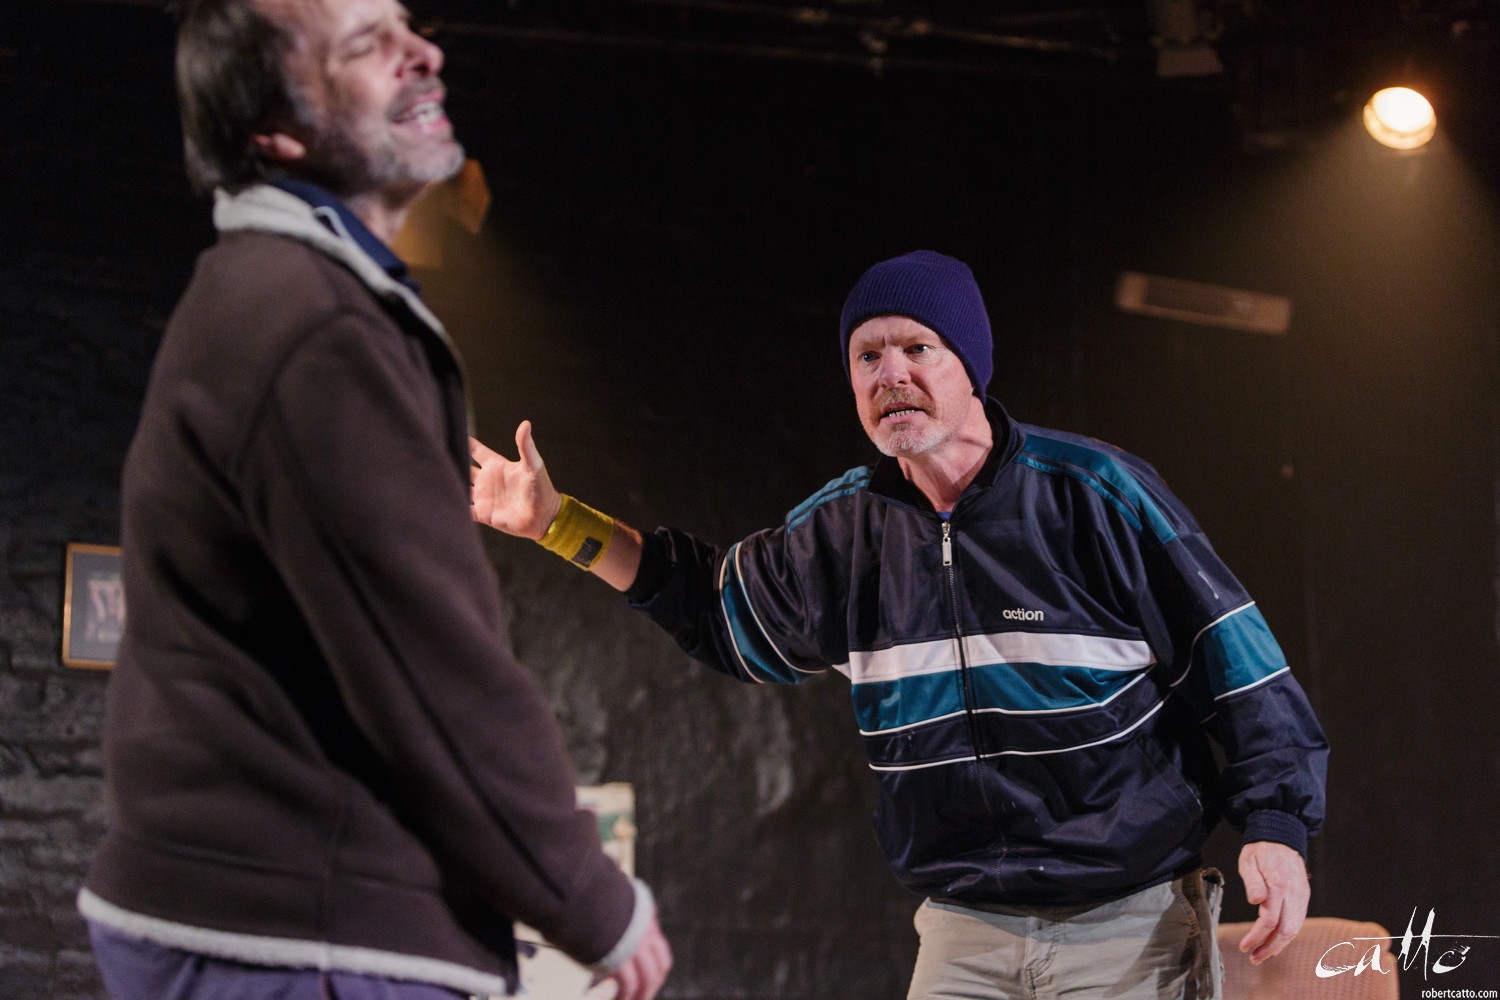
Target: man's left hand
{"points": [[1275, 880]]}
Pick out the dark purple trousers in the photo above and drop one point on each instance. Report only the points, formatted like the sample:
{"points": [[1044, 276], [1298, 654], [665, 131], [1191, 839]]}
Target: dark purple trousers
{"points": [[143, 970]]}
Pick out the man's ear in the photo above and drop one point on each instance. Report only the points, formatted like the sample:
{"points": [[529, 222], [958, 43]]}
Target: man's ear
{"points": [[279, 147]]}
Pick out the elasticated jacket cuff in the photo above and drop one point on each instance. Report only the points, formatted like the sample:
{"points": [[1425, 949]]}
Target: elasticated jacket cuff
{"points": [[1277, 827], [645, 906]]}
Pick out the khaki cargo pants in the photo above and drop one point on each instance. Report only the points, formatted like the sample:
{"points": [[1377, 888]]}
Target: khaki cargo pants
{"points": [[1158, 944]]}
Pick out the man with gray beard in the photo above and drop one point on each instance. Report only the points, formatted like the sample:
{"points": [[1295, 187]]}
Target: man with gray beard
{"points": [[327, 776], [1041, 645]]}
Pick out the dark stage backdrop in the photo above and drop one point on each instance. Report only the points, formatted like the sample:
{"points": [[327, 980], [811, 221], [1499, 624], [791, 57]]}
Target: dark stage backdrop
{"points": [[657, 288]]}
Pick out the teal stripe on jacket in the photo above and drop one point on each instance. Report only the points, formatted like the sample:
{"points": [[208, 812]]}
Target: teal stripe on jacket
{"points": [[759, 657], [850, 482], [1238, 651], [1010, 687], [1104, 475]]}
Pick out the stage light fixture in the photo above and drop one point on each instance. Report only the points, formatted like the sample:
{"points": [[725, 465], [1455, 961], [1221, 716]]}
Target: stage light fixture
{"points": [[1400, 118], [1203, 304]]}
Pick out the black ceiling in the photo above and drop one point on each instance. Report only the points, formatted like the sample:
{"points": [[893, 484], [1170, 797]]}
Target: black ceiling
{"points": [[978, 37], [1119, 37], [1283, 65]]}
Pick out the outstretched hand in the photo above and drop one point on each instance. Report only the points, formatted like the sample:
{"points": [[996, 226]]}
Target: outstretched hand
{"points": [[1276, 881], [643, 974], [516, 497]]}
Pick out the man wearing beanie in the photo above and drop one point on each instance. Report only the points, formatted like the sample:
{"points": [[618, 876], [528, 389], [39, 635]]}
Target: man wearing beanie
{"points": [[1042, 649]]}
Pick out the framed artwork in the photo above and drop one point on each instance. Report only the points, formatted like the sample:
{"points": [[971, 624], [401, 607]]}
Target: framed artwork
{"points": [[93, 606]]}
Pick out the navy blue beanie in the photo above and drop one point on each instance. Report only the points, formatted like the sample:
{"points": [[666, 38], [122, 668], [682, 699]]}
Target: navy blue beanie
{"points": [[935, 290]]}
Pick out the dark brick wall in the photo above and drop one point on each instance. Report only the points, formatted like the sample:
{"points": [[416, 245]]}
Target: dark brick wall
{"points": [[656, 288], [92, 211]]}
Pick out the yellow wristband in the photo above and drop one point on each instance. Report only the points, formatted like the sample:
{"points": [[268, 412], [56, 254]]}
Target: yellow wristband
{"points": [[578, 533]]}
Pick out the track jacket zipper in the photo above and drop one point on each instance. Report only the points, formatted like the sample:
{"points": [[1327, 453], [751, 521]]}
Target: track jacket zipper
{"points": [[965, 677]]}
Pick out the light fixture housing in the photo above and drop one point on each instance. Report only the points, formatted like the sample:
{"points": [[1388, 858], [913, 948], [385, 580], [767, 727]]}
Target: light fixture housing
{"points": [[1400, 118], [1203, 304]]}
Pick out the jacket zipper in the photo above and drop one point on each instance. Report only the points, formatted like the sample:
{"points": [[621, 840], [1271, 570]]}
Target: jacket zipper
{"points": [[965, 678]]}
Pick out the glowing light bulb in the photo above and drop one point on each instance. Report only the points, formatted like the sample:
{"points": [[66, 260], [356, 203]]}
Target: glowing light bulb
{"points": [[1400, 118]]}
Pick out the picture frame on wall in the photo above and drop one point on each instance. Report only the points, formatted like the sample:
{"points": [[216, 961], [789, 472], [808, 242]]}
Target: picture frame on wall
{"points": [[93, 606], [545, 971]]}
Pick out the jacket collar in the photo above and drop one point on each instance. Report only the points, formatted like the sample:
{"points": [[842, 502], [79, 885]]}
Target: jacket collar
{"points": [[338, 217], [888, 481], [268, 209]]}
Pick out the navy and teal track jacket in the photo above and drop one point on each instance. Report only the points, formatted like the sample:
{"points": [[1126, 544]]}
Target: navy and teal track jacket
{"points": [[1036, 676]]}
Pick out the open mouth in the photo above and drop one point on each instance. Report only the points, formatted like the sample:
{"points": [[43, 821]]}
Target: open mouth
{"points": [[899, 411], [424, 113]]}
